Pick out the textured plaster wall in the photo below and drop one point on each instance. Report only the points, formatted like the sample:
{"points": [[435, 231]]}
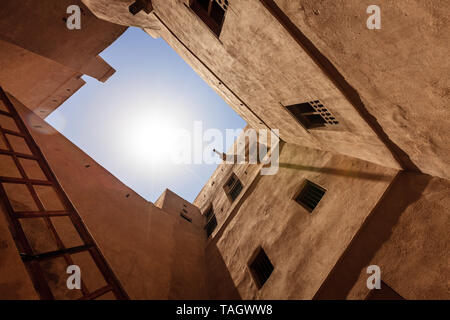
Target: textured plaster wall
{"points": [[173, 204], [42, 84], [407, 237], [14, 281], [209, 264], [41, 61], [40, 28], [302, 246], [401, 71]]}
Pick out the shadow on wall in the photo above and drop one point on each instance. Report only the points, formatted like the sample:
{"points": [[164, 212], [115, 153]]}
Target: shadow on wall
{"points": [[376, 230], [220, 285], [338, 172], [346, 88]]}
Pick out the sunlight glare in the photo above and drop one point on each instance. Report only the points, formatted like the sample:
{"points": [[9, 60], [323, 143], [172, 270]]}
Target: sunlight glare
{"points": [[148, 137]]}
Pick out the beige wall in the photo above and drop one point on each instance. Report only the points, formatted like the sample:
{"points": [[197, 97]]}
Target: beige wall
{"points": [[41, 61], [302, 246], [400, 72], [41, 83], [173, 204], [45, 33], [14, 280], [407, 237]]}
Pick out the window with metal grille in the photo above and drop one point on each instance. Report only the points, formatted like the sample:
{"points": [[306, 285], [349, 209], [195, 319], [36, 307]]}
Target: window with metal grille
{"points": [[261, 268], [310, 195], [212, 12], [139, 5], [185, 217], [233, 187], [312, 114], [209, 212], [211, 223]]}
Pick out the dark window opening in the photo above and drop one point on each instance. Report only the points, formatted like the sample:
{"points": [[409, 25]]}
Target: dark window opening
{"points": [[204, 4], [310, 196], [185, 217], [212, 12], [209, 212], [211, 224], [217, 12], [312, 114], [233, 187], [261, 268], [140, 5]]}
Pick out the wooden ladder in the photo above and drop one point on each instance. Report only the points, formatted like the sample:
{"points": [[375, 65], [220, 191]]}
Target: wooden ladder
{"points": [[38, 262]]}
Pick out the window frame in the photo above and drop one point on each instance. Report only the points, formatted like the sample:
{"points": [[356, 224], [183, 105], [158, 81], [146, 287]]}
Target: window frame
{"points": [[210, 215], [254, 274], [305, 184], [205, 16], [318, 110], [185, 217], [229, 189]]}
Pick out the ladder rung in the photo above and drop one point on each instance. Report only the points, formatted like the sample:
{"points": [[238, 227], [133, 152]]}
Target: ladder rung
{"points": [[54, 254], [40, 214], [20, 155], [97, 293], [13, 133], [24, 181]]}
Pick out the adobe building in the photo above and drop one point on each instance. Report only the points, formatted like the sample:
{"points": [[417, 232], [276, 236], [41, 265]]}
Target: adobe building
{"points": [[363, 168]]}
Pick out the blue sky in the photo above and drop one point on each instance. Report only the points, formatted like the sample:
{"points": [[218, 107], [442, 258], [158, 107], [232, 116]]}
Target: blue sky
{"points": [[152, 91]]}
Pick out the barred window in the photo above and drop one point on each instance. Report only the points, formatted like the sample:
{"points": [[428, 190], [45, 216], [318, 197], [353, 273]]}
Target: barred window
{"points": [[212, 12], [211, 221], [312, 114], [310, 195], [233, 187], [261, 268], [185, 217]]}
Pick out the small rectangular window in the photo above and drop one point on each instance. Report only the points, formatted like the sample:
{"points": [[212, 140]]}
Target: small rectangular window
{"points": [[261, 268], [209, 212], [310, 195], [233, 187], [211, 225], [212, 12], [312, 114], [185, 217]]}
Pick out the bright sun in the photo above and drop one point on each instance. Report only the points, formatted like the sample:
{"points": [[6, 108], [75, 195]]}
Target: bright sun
{"points": [[148, 137]]}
